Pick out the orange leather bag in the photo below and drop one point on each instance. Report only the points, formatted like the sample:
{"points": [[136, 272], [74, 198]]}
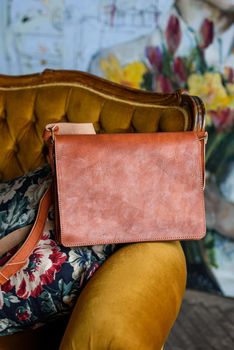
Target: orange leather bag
{"points": [[121, 188]]}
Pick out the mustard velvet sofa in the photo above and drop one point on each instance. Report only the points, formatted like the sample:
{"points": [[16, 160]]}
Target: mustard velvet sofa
{"points": [[133, 299]]}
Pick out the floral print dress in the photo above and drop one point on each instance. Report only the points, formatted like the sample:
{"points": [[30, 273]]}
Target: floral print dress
{"points": [[51, 280]]}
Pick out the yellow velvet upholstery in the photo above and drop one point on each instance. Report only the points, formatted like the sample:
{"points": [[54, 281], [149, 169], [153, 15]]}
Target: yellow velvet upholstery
{"points": [[131, 302], [24, 112]]}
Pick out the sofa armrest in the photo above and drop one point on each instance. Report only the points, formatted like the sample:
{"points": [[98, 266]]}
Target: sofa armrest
{"points": [[131, 302]]}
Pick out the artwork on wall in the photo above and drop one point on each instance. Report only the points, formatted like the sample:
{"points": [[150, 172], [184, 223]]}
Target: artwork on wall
{"points": [[68, 33], [192, 47], [155, 45]]}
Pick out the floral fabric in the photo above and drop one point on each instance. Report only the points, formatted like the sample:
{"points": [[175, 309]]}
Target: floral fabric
{"points": [[52, 278]]}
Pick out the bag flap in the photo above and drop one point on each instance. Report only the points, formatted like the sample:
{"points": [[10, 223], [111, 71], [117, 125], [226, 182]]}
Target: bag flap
{"points": [[116, 188]]}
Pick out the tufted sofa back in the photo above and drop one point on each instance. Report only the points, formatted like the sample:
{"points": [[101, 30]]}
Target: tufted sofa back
{"points": [[28, 103]]}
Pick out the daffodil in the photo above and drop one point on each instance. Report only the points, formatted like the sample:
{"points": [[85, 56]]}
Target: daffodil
{"points": [[210, 88], [130, 74]]}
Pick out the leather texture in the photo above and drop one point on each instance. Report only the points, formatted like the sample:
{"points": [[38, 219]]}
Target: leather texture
{"points": [[129, 187]]}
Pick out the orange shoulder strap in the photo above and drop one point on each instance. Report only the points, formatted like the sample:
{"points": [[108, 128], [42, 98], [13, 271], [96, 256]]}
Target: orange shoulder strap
{"points": [[19, 259]]}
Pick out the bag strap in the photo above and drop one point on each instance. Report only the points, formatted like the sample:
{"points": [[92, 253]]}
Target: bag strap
{"points": [[19, 259]]}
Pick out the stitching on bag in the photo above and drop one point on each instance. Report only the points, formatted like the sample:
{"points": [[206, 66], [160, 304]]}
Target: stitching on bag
{"points": [[201, 180], [58, 185], [161, 238], [6, 278]]}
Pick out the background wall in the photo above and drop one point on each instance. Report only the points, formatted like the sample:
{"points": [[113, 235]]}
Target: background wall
{"points": [[67, 33], [158, 45]]}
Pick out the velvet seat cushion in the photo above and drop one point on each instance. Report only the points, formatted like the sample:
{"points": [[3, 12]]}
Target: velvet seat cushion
{"points": [[126, 305]]}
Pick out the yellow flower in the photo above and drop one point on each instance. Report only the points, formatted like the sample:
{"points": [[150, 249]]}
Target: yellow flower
{"points": [[111, 68], [131, 74], [210, 88]]}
